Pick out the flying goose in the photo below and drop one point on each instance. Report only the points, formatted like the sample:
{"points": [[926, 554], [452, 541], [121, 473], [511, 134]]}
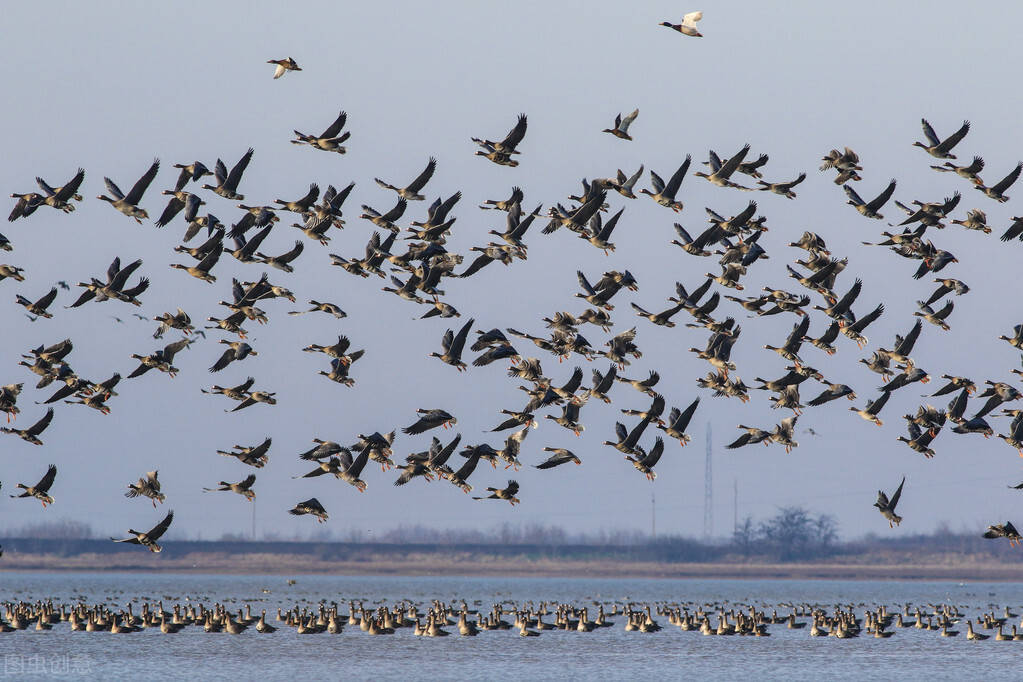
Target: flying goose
{"points": [[969, 171], [254, 455], [38, 308], [869, 208], [937, 148], [60, 197], [41, 490], [411, 191], [975, 220], [283, 66], [1002, 530], [243, 487], [148, 486], [997, 191], [624, 184], [179, 320], [721, 172], [645, 463], [752, 436], [128, 203], [202, 269], [507, 493], [678, 420], [253, 398], [919, 439], [560, 456], [329, 140], [688, 25], [628, 440], [237, 350], [500, 152], [283, 261], [227, 183], [782, 188], [149, 538], [430, 419], [887, 506], [664, 194], [873, 407], [161, 359], [180, 200], [25, 206], [621, 129], [31, 434], [784, 431], [936, 318]]}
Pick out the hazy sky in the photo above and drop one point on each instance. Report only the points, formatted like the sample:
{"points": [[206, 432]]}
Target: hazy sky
{"points": [[111, 87]]}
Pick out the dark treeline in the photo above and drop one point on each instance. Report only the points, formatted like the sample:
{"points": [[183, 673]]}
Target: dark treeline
{"points": [[793, 534]]}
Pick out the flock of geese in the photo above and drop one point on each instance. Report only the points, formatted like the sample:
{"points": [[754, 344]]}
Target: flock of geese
{"points": [[419, 272], [527, 619]]}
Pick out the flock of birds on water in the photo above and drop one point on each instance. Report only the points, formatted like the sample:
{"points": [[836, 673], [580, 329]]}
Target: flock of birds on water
{"points": [[526, 619], [417, 272]]}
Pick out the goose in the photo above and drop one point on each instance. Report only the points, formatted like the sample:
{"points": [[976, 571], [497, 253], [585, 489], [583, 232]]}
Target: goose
{"points": [[783, 433], [974, 425], [385, 220], [970, 171], [430, 419], [621, 128], [643, 385], [60, 197], [887, 506], [678, 420], [243, 487], [26, 205], [202, 269], [323, 307], [411, 191], [149, 538], [237, 350], [303, 204], [283, 261], [938, 317], [560, 456], [499, 152], [908, 376], [688, 25], [833, 392], [645, 463], [283, 66], [193, 171], [329, 140], [253, 398], [128, 203], [869, 208], [601, 231], [179, 320], [180, 201], [602, 383], [505, 204], [31, 434], [853, 331], [1015, 436], [997, 191], [664, 194], [311, 506], [940, 149], [721, 172], [975, 220], [232, 323], [255, 456], [628, 440], [148, 486], [947, 286], [507, 493], [790, 349], [41, 490], [873, 407], [227, 183], [996, 394], [161, 359], [782, 188], [570, 416], [624, 184]]}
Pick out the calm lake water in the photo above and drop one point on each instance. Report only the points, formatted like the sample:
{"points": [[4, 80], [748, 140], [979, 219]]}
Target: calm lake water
{"points": [[606, 653]]}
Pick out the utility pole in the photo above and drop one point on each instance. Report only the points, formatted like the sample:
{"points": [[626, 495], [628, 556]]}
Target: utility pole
{"points": [[708, 492], [253, 519], [653, 516], [735, 506]]}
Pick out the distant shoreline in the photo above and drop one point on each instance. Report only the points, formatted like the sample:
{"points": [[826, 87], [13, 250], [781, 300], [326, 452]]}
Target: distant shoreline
{"points": [[420, 565]]}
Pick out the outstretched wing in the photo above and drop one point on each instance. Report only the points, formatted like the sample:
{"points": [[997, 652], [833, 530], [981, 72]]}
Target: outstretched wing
{"points": [[161, 528], [135, 195]]}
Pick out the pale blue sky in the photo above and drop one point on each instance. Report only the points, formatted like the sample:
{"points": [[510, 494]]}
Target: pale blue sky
{"points": [[109, 87]]}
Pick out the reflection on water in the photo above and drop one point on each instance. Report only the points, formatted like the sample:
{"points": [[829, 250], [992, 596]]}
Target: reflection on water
{"points": [[606, 653]]}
